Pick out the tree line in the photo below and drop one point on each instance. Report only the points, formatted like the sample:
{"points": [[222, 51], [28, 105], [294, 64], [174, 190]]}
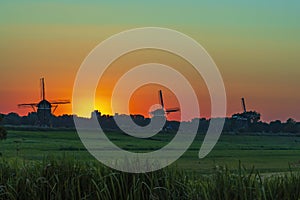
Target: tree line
{"points": [[232, 124]]}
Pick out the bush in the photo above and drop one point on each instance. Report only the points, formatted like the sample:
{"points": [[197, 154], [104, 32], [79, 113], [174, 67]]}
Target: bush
{"points": [[3, 133]]}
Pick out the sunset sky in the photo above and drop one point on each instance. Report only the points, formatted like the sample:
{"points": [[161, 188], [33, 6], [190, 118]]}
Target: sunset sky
{"points": [[255, 44]]}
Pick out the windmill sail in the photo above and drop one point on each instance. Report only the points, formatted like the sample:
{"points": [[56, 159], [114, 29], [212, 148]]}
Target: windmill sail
{"points": [[42, 89], [162, 112], [161, 100], [170, 110]]}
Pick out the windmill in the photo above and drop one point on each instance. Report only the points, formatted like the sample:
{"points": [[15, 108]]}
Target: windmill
{"points": [[162, 112], [250, 116], [44, 107]]}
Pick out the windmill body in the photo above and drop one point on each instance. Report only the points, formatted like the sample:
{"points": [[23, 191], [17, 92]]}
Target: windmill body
{"points": [[44, 112], [44, 107]]}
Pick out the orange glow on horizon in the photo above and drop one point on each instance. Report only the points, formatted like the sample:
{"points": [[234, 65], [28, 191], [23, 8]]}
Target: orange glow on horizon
{"points": [[146, 96]]}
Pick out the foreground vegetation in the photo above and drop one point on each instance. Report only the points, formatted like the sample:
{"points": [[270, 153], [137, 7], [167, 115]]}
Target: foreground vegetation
{"points": [[55, 165], [65, 178]]}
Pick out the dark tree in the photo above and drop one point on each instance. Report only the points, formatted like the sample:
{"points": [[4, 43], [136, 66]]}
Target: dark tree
{"points": [[12, 119], [259, 127], [290, 126], [3, 132], [276, 126]]}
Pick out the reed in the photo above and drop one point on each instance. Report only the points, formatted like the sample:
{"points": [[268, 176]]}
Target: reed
{"points": [[67, 178]]}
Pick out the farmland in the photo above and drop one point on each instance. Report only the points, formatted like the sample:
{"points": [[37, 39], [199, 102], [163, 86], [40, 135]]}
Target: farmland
{"points": [[267, 153]]}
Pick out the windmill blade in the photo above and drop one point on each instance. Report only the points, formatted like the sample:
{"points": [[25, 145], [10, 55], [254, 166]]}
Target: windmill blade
{"points": [[161, 100], [170, 110], [60, 102], [42, 88], [244, 105], [55, 107], [27, 104]]}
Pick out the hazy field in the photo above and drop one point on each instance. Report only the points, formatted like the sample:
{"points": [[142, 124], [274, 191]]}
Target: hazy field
{"points": [[266, 153]]}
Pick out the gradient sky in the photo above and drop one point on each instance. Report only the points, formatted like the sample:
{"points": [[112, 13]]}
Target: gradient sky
{"points": [[255, 44]]}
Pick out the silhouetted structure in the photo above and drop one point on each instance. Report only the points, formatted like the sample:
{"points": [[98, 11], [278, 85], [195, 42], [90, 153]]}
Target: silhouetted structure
{"points": [[44, 107], [162, 112], [246, 118]]}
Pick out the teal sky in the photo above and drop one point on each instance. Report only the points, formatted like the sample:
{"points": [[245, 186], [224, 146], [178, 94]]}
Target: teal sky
{"points": [[271, 13]]}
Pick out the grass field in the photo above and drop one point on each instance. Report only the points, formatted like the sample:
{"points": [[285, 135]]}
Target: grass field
{"points": [[266, 153]]}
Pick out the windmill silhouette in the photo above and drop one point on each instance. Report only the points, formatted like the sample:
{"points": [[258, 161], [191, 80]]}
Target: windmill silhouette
{"points": [[44, 107], [162, 112]]}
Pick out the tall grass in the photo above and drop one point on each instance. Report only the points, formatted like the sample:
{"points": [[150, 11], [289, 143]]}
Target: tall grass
{"points": [[67, 178]]}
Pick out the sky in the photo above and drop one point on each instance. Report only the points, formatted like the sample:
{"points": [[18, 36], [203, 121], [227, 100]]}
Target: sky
{"points": [[255, 45]]}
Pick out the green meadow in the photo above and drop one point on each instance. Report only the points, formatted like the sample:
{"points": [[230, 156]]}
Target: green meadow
{"points": [[267, 153]]}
